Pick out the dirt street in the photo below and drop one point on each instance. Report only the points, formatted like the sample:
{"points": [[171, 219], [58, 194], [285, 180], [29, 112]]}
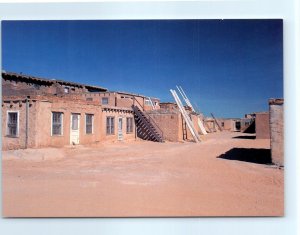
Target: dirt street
{"points": [[143, 178]]}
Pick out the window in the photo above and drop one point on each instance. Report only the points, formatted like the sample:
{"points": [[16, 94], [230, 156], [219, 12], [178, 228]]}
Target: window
{"points": [[148, 102], [129, 125], [66, 89], [110, 125], [12, 124], [89, 99], [104, 100], [222, 124], [89, 123], [75, 121], [57, 119]]}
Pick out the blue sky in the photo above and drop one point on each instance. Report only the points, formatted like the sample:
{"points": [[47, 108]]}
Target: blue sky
{"points": [[227, 67]]}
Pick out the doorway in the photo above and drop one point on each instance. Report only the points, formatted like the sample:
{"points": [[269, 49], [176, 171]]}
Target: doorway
{"points": [[120, 128], [74, 130]]}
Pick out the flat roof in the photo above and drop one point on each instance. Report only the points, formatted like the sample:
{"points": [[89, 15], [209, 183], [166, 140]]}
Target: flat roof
{"points": [[50, 81]]}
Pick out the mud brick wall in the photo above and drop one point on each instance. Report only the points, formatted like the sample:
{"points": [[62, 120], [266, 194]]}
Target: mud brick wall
{"points": [[9, 143], [170, 124], [276, 108], [262, 125], [117, 114]]}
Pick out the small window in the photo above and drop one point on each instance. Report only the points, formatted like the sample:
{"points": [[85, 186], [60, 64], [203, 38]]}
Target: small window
{"points": [[89, 99], [57, 119], [89, 123], [75, 122], [67, 90], [12, 124], [110, 125], [222, 124], [104, 100], [129, 125], [148, 102]]}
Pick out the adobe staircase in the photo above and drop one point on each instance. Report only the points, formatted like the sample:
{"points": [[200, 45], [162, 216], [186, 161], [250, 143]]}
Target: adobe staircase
{"points": [[146, 127]]}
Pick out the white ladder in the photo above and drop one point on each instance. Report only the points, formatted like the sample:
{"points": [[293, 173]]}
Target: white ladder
{"points": [[187, 101], [186, 117]]}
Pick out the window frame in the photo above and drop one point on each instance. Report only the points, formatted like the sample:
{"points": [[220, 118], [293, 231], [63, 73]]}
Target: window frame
{"points": [[129, 125], [110, 125], [18, 123], [104, 98], [62, 123], [92, 124]]}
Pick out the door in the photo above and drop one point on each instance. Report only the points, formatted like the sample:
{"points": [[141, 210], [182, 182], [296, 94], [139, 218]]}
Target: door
{"points": [[120, 128], [74, 130]]}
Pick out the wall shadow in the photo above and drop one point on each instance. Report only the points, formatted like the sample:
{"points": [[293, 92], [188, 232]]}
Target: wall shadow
{"points": [[250, 137], [259, 156]]}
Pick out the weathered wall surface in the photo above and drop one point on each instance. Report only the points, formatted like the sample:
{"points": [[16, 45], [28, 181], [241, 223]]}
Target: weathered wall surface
{"points": [[117, 100], [45, 109], [170, 123], [276, 108], [262, 125], [123, 114], [14, 87], [40, 123], [8, 142]]}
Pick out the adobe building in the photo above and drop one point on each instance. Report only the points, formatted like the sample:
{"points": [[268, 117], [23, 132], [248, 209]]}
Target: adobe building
{"points": [[262, 125], [172, 124], [276, 109], [38, 113], [230, 124]]}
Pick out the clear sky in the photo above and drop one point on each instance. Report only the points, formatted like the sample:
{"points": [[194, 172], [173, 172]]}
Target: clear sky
{"points": [[227, 67]]}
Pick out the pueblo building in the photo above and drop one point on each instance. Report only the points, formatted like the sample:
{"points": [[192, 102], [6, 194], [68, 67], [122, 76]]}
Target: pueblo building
{"points": [[38, 112]]}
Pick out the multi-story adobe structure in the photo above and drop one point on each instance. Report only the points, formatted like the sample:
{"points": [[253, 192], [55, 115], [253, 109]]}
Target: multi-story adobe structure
{"points": [[38, 112]]}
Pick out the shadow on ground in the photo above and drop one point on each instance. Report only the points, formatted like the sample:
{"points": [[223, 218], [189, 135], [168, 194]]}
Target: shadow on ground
{"points": [[250, 137], [259, 156]]}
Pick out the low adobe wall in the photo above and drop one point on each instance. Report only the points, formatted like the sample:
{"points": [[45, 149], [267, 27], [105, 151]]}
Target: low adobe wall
{"points": [[170, 123], [262, 125]]}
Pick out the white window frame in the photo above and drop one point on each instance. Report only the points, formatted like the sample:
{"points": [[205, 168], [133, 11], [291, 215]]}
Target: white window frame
{"points": [[147, 102], [111, 126], [18, 123], [92, 123], [62, 123], [132, 125]]}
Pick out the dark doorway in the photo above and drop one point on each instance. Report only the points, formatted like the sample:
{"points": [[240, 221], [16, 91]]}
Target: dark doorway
{"points": [[238, 125]]}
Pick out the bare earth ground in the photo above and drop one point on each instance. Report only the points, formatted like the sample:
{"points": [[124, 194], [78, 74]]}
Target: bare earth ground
{"points": [[141, 178]]}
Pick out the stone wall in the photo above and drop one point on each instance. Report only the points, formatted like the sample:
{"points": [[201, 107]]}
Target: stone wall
{"points": [[276, 107]]}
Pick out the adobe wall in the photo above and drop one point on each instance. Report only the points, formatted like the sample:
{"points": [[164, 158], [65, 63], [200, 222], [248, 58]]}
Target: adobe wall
{"points": [[116, 100], [9, 143], [170, 123], [67, 107], [276, 108], [117, 113], [19, 87], [262, 125]]}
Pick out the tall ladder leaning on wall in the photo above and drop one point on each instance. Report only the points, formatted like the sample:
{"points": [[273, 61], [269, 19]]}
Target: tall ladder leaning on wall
{"points": [[186, 117], [187, 101]]}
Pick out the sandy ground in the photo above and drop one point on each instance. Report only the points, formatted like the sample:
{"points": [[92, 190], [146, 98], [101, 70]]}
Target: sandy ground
{"points": [[142, 178]]}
